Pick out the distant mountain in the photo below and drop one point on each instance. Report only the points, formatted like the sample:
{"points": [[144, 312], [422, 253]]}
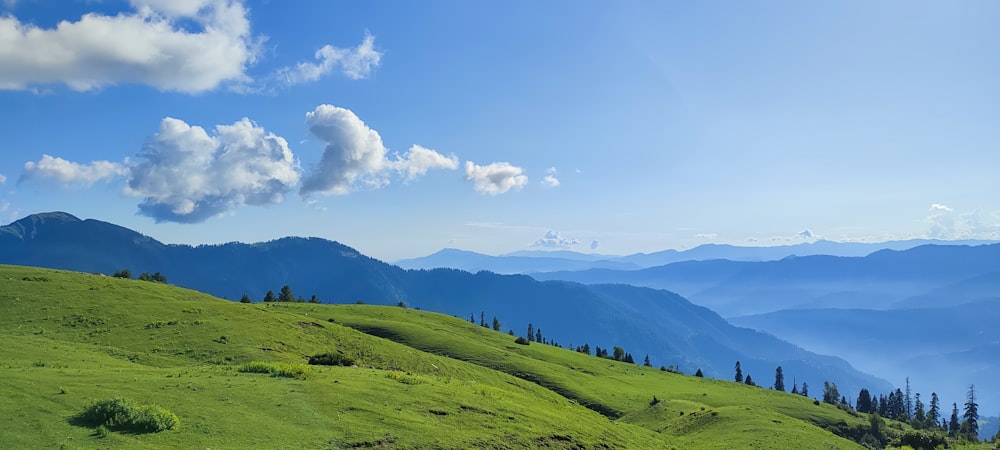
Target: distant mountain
{"points": [[943, 349], [531, 261], [526, 262], [881, 280], [668, 328]]}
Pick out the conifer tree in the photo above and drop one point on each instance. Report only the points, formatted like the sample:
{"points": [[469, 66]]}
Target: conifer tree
{"points": [[953, 424], [699, 374], [970, 416], [482, 318], [805, 389], [908, 402], [749, 381], [531, 332], [496, 324], [918, 412], [646, 362], [934, 413], [795, 387], [286, 294], [538, 336], [864, 403], [472, 318], [245, 299], [269, 297], [739, 373], [779, 380]]}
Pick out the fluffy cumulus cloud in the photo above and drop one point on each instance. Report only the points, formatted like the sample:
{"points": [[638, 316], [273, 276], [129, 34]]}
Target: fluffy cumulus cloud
{"points": [[553, 239], [71, 173], [355, 154], [355, 63], [940, 207], [495, 178], [187, 175], [146, 45], [186, 46], [418, 160], [550, 179], [3, 178], [945, 223]]}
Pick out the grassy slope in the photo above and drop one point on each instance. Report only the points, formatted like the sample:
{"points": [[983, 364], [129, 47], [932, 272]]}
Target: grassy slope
{"points": [[70, 339]]}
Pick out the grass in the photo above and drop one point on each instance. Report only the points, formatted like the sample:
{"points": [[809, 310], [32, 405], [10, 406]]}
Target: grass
{"points": [[382, 377]]}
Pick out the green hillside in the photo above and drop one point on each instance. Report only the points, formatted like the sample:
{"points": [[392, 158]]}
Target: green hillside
{"points": [[419, 379]]}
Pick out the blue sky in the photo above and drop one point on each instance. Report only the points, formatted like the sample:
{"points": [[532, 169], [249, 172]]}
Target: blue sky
{"points": [[403, 128]]}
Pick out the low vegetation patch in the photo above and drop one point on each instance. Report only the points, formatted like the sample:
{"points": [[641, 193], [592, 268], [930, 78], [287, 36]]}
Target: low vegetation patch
{"points": [[331, 359], [121, 414], [276, 369]]}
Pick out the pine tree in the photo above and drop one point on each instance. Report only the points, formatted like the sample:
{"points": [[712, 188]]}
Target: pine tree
{"points": [[779, 380], [864, 403], [286, 294], [245, 299], [908, 402], [934, 413], [918, 412], [739, 373], [482, 318], [269, 297], [472, 318], [314, 299], [970, 417], [953, 424], [496, 324], [646, 362], [805, 389], [699, 374], [749, 381], [538, 336], [628, 358], [795, 387], [531, 332]]}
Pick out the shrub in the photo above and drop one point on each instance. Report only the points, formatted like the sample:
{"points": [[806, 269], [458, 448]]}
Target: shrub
{"points": [[331, 359], [276, 369], [120, 414], [522, 340]]}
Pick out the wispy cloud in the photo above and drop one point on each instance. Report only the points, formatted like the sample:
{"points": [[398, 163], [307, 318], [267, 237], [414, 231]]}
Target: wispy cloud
{"points": [[550, 179], [495, 178], [3, 178], [355, 63], [939, 207]]}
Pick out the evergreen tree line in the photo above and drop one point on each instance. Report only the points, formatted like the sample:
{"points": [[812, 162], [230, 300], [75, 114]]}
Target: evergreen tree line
{"points": [[145, 276], [284, 295]]}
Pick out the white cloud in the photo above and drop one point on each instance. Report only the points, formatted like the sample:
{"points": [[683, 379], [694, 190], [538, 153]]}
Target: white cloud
{"points": [[495, 178], [71, 173], [947, 224], [805, 234], [3, 178], [553, 239], [940, 207], [355, 154], [186, 175], [355, 63], [706, 235], [147, 46], [550, 179], [418, 160]]}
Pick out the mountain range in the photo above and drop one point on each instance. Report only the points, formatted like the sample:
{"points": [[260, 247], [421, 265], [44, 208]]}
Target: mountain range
{"points": [[644, 321], [530, 261]]}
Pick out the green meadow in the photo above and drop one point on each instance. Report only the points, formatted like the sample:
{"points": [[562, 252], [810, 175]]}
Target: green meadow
{"points": [[237, 376]]}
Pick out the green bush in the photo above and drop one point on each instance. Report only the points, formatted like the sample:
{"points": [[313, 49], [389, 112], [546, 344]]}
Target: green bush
{"points": [[331, 359], [120, 414], [276, 369], [521, 340]]}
